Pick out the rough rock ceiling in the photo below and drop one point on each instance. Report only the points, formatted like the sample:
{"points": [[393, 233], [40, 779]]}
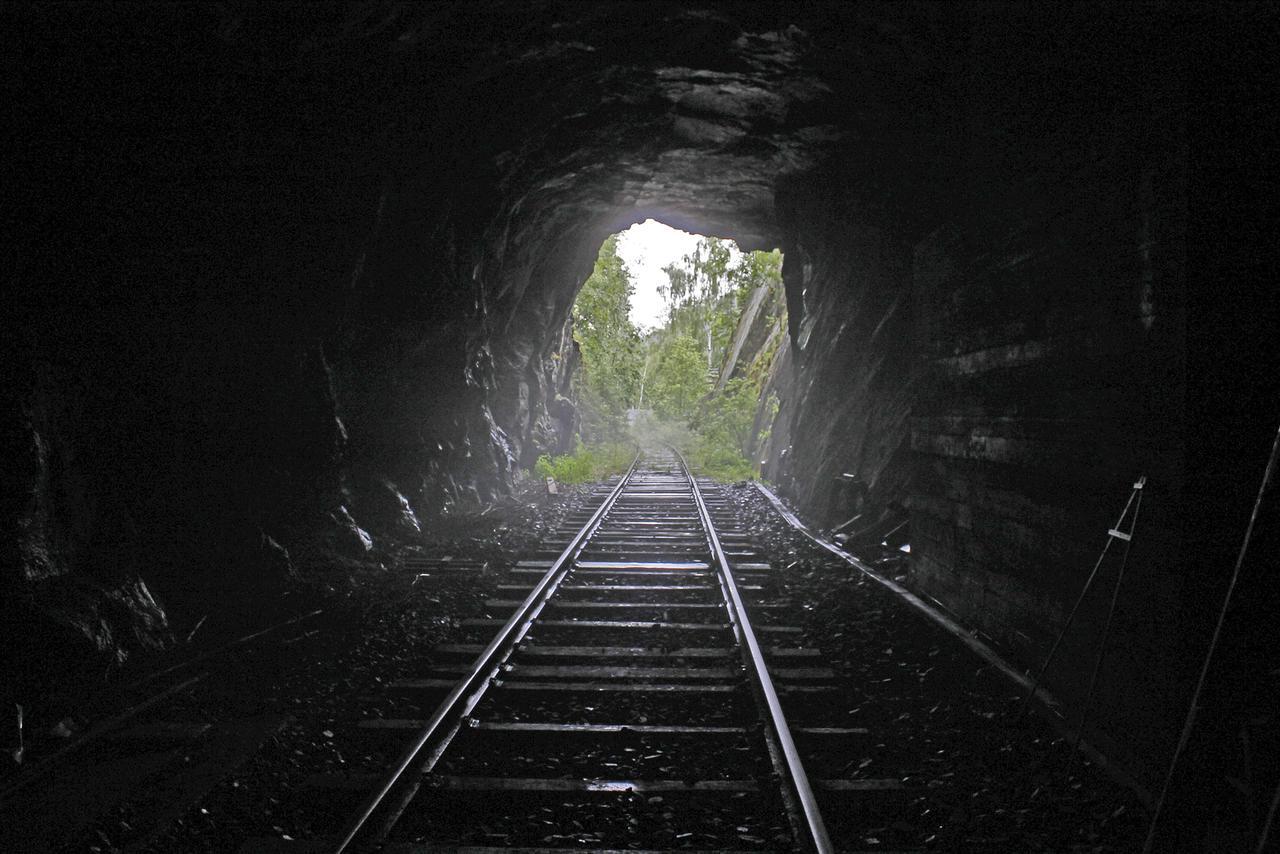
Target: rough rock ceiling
{"points": [[688, 111]]}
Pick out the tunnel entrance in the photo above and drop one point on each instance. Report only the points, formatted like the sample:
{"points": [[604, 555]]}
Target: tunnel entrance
{"points": [[677, 337]]}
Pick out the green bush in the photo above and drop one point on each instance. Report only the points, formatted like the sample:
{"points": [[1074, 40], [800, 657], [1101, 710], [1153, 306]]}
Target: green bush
{"points": [[586, 463], [712, 457]]}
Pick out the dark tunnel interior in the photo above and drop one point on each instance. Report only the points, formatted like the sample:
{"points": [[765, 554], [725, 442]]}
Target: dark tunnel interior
{"points": [[290, 282]]}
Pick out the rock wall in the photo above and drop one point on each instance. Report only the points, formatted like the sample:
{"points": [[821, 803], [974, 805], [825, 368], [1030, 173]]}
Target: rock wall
{"points": [[296, 275], [1004, 356], [851, 358], [1053, 379]]}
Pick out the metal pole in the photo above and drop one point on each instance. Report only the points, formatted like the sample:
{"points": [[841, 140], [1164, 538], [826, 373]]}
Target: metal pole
{"points": [[1266, 826], [1190, 721]]}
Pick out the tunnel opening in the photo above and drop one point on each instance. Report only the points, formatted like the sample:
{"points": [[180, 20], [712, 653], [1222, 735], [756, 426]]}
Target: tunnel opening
{"points": [[676, 338]]}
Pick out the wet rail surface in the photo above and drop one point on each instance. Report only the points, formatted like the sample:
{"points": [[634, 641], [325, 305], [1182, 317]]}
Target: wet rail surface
{"points": [[644, 689], [599, 697]]}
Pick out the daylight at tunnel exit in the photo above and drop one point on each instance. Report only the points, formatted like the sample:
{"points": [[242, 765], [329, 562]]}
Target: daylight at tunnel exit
{"points": [[683, 425]]}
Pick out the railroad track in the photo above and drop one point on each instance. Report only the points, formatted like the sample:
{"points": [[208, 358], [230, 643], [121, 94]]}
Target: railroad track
{"points": [[643, 689]]}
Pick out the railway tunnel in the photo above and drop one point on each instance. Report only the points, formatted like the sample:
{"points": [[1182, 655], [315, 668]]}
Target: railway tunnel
{"points": [[291, 280]]}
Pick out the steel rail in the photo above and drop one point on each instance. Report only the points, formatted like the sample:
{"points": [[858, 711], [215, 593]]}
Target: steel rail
{"points": [[796, 779], [952, 627], [1055, 716], [448, 715]]}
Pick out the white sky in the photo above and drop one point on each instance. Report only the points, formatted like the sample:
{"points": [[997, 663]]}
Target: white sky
{"points": [[646, 248]]}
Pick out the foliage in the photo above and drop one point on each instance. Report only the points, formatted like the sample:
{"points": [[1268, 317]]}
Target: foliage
{"points": [[708, 457], [769, 408], [679, 379], [723, 432], [585, 464], [673, 370], [706, 296], [609, 379], [707, 291]]}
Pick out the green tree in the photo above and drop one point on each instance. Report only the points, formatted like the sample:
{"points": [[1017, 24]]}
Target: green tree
{"points": [[609, 379], [707, 294], [728, 417], [696, 294], [707, 291], [673, 370], [679, 378]]}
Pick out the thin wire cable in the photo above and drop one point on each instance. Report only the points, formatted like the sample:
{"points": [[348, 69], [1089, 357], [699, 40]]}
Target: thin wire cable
{"points": [[1266, 827], [1053, 650], [1106, 632], [1213, 645]]}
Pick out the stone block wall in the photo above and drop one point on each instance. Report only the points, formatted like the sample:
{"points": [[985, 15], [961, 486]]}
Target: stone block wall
{"points": [[995, 338], [1053, 378]]}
